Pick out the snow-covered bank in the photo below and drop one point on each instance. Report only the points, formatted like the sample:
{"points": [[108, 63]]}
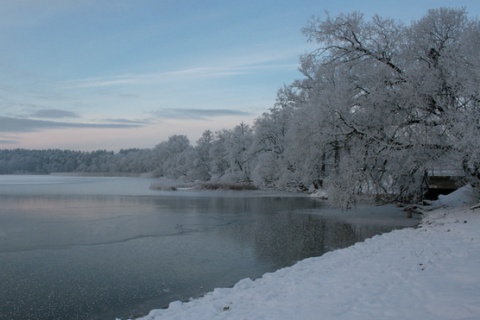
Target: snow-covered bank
{"points": [[430, 272]]}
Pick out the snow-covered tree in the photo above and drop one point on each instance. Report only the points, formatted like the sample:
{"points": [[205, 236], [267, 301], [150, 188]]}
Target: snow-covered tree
{"points": [[381, 100], [269, 147], [174, 157], [202, 160], [239, 156]]}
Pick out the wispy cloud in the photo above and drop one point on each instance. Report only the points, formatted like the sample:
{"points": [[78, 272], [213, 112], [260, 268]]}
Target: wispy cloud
{"points": [[170, 76], [198, 114], [53, 114], [133, 79], [8, 141], [128, 121], [9, 124]]}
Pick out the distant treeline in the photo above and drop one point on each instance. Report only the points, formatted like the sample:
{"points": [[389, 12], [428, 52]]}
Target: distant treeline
{"points": [[22, 161]]}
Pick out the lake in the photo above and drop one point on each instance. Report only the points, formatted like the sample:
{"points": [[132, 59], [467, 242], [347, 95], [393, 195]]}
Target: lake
{"points": [[104, 247]]}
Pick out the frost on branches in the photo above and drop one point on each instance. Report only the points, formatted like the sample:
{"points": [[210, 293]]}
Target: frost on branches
{"points": [[381, 102]]}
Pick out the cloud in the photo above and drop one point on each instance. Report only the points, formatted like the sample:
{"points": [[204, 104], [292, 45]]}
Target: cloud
{"points": [[9, 124], [8, 141], [199, 114], [146, 78], [170, 76], [53, 114], [129, 95], [128, 121]]}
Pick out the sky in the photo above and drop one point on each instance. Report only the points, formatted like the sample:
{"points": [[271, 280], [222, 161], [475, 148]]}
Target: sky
{"points": [[103, 74]]}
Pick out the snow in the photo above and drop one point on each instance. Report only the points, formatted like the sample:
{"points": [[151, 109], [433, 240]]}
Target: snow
{"points": [[429, 272], [461, 197]]}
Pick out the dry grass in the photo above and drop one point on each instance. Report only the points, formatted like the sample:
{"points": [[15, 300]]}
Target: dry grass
{"points": [[160, 187], [238, 186]]}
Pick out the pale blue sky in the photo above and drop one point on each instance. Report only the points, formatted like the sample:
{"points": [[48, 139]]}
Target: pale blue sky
{"points": [[111, 74]]}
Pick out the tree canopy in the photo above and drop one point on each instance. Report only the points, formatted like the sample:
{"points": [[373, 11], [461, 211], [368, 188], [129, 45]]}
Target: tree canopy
{"points": [[380, 103]]}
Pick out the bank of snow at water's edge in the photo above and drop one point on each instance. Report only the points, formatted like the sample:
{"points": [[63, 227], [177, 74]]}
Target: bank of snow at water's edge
{"points": [[430, 272]]}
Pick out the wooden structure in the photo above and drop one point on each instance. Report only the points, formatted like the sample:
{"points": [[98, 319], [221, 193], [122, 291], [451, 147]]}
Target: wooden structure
{"points": [[441, 181]]}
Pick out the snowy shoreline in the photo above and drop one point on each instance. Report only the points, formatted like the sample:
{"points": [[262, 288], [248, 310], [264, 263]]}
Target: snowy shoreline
{"points": [[429, 272]]}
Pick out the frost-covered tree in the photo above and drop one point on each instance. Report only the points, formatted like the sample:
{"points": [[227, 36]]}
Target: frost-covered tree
{"points": [[274, 163], [381, 101], [133, 161], [174, 157], [231, 156], [237, 143], [219, 155], [445, 72], [202, 160]]}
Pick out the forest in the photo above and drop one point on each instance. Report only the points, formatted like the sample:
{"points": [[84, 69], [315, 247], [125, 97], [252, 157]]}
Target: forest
{"points": [[376, 105]]}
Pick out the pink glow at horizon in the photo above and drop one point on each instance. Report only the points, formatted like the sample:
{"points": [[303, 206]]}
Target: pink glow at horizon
{"points": [[90, 139]]}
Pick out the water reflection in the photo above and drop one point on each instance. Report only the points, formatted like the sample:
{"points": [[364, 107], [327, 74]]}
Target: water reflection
{"points": [[100, 257]]}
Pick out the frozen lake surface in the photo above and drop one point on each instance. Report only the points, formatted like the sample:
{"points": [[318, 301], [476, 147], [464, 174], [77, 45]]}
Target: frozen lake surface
{"points": [[100, 248]]}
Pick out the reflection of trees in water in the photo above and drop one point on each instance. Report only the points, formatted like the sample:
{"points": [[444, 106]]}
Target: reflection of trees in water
{"points": [[269, 225], [281, 237], [293, 237], [235, 204]]}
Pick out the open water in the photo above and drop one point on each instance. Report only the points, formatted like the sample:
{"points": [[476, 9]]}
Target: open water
{"points": [[106, 248]]}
